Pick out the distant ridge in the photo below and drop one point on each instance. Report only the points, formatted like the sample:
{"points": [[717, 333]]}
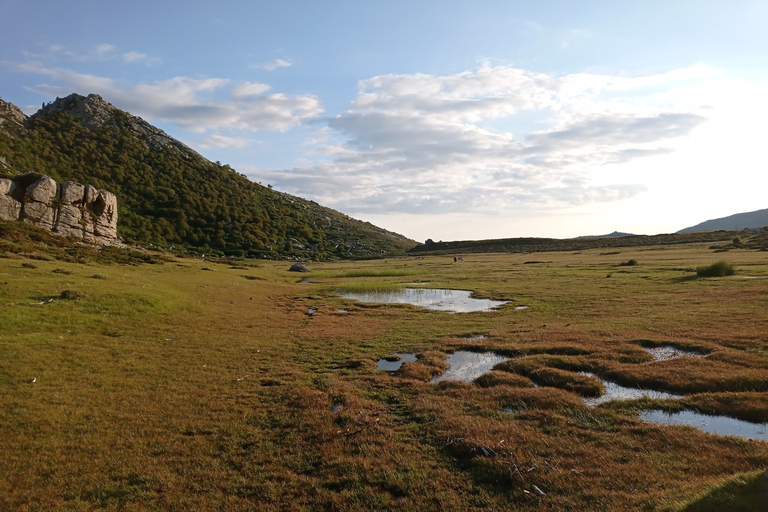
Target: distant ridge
{"points": [[748, 220], [615, 234]]}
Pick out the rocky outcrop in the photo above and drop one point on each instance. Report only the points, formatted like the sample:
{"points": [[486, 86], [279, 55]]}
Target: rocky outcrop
{"points": [[11, 116], [69, 208]]}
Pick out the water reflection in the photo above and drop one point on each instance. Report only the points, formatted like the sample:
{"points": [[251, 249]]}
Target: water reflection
{"points": [[615, 391], [392, 366], [721, 425], [454, 301], [667, 352], [467, 366]]}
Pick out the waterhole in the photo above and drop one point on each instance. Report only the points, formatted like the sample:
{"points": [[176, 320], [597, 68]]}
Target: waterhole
{"points": [[453, 301], [667, 352], [467, 366], [721, 425], [615, 391], [391, 364]]}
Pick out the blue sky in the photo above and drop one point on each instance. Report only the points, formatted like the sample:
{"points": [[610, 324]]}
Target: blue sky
{"points": [[446, 120]]}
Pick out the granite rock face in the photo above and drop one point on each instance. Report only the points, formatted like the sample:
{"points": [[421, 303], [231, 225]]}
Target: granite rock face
{"points": [[69, 208]]}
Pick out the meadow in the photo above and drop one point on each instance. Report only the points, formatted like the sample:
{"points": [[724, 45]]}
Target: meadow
{"points": [[189, 384]]}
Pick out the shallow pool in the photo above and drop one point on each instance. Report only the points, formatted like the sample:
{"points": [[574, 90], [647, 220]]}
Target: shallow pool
{"points": [[721, 425], [615, 391], [667, 352], [393, 366], [454, 301], [467, 366]]}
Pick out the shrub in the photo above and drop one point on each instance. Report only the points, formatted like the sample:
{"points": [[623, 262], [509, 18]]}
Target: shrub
{"points": [[628, 263], [719, 269]]}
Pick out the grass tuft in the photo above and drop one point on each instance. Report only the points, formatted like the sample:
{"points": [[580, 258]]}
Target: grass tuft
{"points": [[718, 269]]}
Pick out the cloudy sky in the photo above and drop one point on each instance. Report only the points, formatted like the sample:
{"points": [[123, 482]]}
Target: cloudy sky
{"points": [[449, 120]]}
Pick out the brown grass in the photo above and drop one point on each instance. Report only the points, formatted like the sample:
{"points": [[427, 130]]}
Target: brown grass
{"points": [[165, 387]]}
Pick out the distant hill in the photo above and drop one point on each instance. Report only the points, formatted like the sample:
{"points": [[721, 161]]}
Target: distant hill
{"points": [[531, 245], [615, 234], [169, 195], [749, 220]]}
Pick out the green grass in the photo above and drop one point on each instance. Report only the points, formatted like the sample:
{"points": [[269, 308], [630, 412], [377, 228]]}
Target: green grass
{"points": [[718, 269], [167, 387]]}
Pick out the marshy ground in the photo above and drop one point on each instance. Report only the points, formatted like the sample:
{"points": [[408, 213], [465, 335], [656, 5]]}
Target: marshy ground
{"points": [[200, 385]]}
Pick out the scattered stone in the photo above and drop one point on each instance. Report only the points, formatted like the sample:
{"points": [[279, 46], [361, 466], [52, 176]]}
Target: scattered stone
{"points": [[298, 267]]}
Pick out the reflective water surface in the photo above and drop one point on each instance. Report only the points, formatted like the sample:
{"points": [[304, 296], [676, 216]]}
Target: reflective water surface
{"points": [[615, 391], [722, 425], [393, 366], [467, 366], [667, 352], [454, 301]]}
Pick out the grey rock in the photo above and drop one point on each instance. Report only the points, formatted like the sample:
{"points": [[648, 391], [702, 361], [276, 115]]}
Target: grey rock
{"points": [[72, 193], [298, 267], [10, 209], [43, 190], [69, 209]]}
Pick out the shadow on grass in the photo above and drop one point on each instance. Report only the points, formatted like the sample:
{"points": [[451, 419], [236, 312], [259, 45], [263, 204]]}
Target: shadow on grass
{"points": [[745, 492]]}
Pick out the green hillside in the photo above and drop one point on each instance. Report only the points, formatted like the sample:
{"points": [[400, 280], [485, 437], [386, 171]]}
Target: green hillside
{"points": [[169, 195]]}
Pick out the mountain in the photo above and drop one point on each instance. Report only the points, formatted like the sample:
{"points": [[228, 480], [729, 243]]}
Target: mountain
{"points": [[749, 220], [615, 234], [168, 195]]}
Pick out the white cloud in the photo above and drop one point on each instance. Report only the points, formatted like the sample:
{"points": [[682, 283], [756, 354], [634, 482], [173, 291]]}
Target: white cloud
{"points": [[220, 141], [277, 63], [190, 103], [432, 144], [249, 89]]}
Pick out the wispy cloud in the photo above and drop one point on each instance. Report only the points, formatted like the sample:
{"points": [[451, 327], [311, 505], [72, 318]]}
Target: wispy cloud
{"points": [[190, 103], [423, 143], [220, 141], [273, 65]]}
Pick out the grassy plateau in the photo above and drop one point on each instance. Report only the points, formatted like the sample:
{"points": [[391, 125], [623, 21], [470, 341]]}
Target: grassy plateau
{"points": [[187, 384]]}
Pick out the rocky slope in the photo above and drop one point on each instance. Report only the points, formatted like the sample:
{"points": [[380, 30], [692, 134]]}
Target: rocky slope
{"points": [[171, 196]]}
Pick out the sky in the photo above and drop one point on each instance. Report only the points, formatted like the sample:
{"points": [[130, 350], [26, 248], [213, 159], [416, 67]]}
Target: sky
{"points": [[449, 120]]}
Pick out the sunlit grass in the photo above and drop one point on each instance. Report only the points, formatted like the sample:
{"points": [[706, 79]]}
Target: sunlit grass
{"points": [[167, 387]]}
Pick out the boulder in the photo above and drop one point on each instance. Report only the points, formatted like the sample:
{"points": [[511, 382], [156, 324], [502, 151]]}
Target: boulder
{"points": [[70, 221], [72, 193], [10, 209], [43, 190], [298, 267], [105, 210], [67, 209]]}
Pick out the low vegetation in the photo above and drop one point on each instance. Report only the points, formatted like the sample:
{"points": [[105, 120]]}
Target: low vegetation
{"points": [[166, 386], [718, 269]]}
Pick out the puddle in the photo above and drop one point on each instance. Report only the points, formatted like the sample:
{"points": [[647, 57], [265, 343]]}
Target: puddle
{"points": [[476, 337], [342, 310], [522, 307], [393, 366], [467, 366], [721, 425], [615, 391], [454, 301], [667, 352]]}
